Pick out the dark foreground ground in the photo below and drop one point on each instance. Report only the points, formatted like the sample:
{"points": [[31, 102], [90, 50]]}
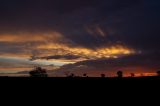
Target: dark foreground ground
{"points": [[150, 78], [52, 85], [80, 82]]}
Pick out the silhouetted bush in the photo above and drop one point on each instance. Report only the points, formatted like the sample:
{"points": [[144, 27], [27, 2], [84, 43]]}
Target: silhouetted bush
{"points": [[120, 74], [38, 72], [71, 75], [158, 73], [103, 75], [85, 75]]}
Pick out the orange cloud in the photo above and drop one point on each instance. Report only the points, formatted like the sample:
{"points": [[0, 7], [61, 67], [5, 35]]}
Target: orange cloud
{"points": [[54, 43], [30, 37], [109, 52]]}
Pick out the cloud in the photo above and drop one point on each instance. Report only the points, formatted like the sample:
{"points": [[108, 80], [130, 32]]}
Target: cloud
{"points": [[80, 30], [107, 20], [16, 64], [146, 63], [96, 31], [30, 37], [65, 57], [27, 43], [54, 45], [66, 52]]}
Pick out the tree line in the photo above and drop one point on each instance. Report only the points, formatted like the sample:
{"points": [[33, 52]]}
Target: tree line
{"points": [[40, 72]]}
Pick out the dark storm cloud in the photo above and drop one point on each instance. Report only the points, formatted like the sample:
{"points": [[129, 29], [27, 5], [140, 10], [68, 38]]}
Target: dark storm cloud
{"points": [[134, 23], [36, 13], [145, 63], [68, 16], [71, 18], [141, 27], [67, 57]]}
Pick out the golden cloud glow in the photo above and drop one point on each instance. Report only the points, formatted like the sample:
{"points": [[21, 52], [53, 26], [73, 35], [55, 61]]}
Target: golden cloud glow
{"points": [[30, 37], [54, 43], [110, 52]]}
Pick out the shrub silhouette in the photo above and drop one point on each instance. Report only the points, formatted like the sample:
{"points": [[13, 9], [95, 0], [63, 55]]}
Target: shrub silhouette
{"points": [[103, 75], [71, 75], [85, 75], [120, 74], [38, 72], [158, 73]]}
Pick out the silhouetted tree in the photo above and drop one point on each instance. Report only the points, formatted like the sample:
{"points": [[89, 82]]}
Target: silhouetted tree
{"points": [[132, 75], [85, 75], [120, 74], [71, 75], [103, 75], [158, 73], [38, 72]]}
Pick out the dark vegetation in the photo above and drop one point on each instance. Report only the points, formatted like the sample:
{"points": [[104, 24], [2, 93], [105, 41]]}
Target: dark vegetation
{"points": [[40, 72]]}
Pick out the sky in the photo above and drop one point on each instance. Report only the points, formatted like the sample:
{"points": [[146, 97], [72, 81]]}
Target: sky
{"points": [[80, 36]]}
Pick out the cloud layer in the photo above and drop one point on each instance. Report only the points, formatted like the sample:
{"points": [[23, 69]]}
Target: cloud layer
{"points": [[76, 30]]}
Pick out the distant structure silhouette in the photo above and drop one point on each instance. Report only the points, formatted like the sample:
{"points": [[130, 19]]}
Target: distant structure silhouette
{"points": [[38, 72], [158, 73], [103, 75], [120, 74]]}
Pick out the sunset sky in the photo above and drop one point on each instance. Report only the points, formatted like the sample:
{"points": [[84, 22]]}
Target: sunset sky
{"points": [[80, 36]]}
